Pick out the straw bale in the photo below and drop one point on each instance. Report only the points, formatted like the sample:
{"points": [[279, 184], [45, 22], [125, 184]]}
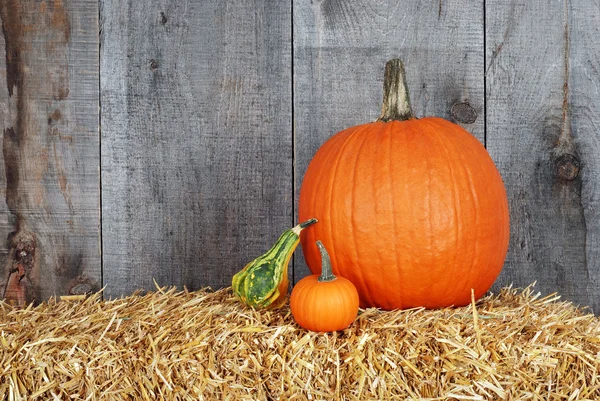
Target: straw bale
{"points": [[204, 345]]}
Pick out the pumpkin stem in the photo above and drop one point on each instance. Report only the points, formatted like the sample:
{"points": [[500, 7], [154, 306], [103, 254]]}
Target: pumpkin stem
{"points": [[326, 273], [396, 100]]}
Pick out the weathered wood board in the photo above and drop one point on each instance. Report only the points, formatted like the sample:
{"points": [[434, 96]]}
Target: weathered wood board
{"points": [[542, 64], [49, 178], [174, 135], [196, 139], [340, 49]]}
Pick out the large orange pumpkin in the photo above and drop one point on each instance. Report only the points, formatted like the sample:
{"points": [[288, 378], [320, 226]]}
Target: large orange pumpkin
{"points": [[413, 211]]}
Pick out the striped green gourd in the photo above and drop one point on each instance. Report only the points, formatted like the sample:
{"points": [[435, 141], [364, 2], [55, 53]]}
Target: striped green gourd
{"points": [[264, 282]]}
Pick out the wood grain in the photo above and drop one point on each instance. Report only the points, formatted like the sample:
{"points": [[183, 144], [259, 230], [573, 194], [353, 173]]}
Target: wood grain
{"points": [[211, 112], [542, 82], [196, 139], [340, 49], [49, 214]]}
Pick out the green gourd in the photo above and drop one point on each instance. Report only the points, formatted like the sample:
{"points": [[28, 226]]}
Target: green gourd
{"points": [[263, 283]]}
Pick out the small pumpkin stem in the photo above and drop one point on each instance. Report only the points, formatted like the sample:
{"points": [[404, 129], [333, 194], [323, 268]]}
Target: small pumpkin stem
{"points": [[396, 100], [326, 273]]}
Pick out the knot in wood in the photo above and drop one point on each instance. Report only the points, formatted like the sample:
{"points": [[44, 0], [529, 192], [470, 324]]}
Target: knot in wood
{"points": [[463, 113], [153, 64], [567, 167], [83, 288], [24, 248]]}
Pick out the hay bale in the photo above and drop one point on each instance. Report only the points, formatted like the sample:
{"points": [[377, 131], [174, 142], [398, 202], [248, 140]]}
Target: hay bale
{"points": [[204, 345]]}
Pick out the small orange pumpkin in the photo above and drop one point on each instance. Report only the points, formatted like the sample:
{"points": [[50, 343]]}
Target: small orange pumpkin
{"points": [[325, 302], [413, 211]]}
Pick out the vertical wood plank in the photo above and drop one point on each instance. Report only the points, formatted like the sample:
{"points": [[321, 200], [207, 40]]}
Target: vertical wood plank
{"points": [[49, 179], [340, 49], [542, 83], [196, 138]]}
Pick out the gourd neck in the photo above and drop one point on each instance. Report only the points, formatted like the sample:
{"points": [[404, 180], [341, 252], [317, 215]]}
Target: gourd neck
{"points": [[326, 272], [396, 99], [296, 230]]}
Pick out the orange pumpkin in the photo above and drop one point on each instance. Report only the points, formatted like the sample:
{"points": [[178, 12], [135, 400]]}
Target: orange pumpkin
{"points": [[325, 302], [412, 211]]}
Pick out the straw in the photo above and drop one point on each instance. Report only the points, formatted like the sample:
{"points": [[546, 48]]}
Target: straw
{"points": [[205, 345]]}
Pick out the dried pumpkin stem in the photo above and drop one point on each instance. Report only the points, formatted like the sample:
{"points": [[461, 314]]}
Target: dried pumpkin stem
{"points": [[396, 99], [326, 272]]}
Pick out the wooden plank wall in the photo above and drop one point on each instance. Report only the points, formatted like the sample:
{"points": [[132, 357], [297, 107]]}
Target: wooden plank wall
{"points": [[210, 112], [196, 139], [49, 175], [542, 83]]}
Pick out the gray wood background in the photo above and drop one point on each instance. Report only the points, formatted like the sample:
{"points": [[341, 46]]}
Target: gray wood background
{"points": [[167, 140]]}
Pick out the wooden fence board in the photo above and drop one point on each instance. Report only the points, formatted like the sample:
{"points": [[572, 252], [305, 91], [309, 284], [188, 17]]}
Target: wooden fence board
{"points": [[196, 138], [211, 112], [542, 82], [340, 49], [49, 176]]}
